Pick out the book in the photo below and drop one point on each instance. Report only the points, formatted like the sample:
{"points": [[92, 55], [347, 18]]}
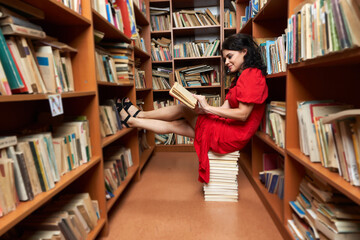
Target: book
{"points": [[180, 93]]}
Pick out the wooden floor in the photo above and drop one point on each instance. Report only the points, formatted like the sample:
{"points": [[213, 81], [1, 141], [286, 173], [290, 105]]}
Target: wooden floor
{"points": [[167, 203]]}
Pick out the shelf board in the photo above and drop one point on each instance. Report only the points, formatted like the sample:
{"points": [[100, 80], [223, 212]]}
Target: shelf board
{"points": [[187, 31], [345, 57], [232, 29], [273, 9], [203, 87], [154, 1], [111, 32], [161, 32], [110, 139], [194, 4], [140, 17], [26, 208], [267, 139], [160, 62], [93, 234], [143, 89], [271, 201], [145, 156], [42, 96], [163, 90], [175, 148], [140, 53], [115, 84], [247, 28], [131, 173], [195, 58], [277, 75], [332, 178], [57, 13]]}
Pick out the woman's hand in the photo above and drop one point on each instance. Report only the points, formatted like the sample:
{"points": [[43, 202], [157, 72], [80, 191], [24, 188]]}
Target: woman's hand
{"points": [[201, 107]]}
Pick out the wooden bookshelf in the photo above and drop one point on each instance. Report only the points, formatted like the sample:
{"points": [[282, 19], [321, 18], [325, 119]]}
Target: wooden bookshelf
{"points": [[24, 209], [247, 28], [117, 193], [95, 232], [276, 75], [175, 148], [109, 84], [110, 31], [112, 138], [145, 156], [264, 137], [143, 89], [36, 97], [140, 17]]}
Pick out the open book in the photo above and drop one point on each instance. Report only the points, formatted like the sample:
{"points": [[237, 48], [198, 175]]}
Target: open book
{"points": [[186, 97]]}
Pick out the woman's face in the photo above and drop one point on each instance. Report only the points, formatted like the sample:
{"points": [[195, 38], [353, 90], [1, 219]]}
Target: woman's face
{"points": [[233, 59]]}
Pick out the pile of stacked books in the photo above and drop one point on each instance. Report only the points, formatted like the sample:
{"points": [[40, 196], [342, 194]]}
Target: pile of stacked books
{"points": [[223, 186]]}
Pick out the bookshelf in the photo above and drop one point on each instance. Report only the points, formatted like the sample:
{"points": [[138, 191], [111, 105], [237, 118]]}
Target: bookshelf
{"points": [[313, 79], [184, 34], [77, 31]]}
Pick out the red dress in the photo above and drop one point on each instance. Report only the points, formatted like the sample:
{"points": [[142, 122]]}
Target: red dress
{"points": [[223, 135]]}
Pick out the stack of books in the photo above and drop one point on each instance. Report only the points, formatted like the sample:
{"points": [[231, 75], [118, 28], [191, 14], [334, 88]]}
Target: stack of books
{"points": [[160, 49], [223, 186], [197, 48], [198, 75]]}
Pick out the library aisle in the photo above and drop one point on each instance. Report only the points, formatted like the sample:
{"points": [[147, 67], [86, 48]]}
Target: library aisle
{"points": [[167, 203]]}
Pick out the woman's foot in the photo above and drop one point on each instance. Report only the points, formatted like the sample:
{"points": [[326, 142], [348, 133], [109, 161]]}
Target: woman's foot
{"points": [[129, 107], [125, 116]]}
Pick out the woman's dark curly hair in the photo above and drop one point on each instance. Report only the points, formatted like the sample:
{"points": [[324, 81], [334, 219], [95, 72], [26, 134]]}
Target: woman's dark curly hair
{"points": [[253, 58]]}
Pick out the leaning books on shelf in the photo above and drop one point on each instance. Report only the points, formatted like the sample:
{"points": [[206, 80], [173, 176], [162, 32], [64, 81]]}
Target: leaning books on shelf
{"points": [[140, 4], [161, 79], [71, 216], [273, 122], [250, 11], [29, 66], [272, 175], [320, 211], [196, 76], [212, 99], [273, 52], [230, 15], [165, 139], [197, 48], [334, 143], [139, 79], [191, 18], [159, 19], [110, 121], [160, 49], [309, 36], [115, 63], [184, 140], [34, 163]]}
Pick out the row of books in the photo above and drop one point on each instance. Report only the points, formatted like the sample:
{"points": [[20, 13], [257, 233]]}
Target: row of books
{"points": [[197, 75], [274, 122], [230, 19], [273, 52], [140, 79], [140, 43], [110, 120], [119, 13], [321, 27], [141, 5], [272, 175], [330, 135], [197, 48], [75, 5], [184, 140], [71, 216], [161, 80], [160, 49], [117, 161], [114, 63], [159, 19], [34, 163], [191, 18], [165, 139], [251, 10], [223, 185], [32, 66], [320, 212]]}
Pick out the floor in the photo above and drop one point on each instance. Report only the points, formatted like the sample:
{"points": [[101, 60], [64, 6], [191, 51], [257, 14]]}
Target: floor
{"points": [[167, 203]]}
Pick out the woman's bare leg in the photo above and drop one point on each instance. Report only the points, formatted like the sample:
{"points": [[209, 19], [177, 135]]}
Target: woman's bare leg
{"points": [[180, 127], [169, 113]]}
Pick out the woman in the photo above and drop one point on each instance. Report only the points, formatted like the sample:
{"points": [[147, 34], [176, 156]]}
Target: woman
{"points": [[222, 129]]}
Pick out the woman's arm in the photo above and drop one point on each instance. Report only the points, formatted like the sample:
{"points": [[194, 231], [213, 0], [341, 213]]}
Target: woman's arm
{"points": [[241, 113], [226, 104]]}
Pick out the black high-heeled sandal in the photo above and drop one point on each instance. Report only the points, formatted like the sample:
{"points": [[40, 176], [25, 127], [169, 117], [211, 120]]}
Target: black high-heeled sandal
{"points": [[127, 104], [120, 107]]}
